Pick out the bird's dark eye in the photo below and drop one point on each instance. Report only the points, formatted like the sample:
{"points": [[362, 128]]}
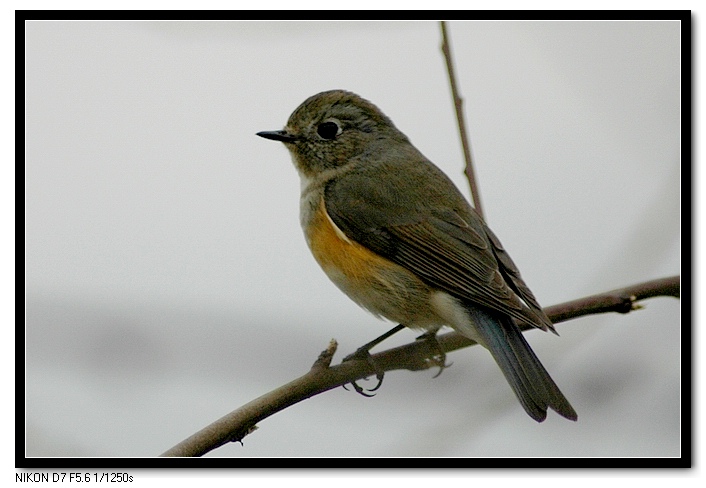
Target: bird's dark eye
{"points": [[328, 130]]}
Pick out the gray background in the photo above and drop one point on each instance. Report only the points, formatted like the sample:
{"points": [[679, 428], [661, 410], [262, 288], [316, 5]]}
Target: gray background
{"points": [[168, 282]]}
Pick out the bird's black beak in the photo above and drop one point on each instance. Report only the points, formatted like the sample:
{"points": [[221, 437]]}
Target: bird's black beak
{"points": [[277, 135]]}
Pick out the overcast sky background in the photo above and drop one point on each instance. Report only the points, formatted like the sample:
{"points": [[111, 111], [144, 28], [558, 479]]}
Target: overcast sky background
{"points": [[168, 281]]}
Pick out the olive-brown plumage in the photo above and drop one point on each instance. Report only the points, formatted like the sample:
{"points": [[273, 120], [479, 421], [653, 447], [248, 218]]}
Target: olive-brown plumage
{"points": [[394, 233]]}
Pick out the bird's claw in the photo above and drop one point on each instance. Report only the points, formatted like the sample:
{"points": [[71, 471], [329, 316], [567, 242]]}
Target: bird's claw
{"points": [[364, 355], [438, 359]]}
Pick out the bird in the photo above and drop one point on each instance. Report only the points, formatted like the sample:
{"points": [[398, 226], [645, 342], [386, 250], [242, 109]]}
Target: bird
{"points": [[395, 234]]}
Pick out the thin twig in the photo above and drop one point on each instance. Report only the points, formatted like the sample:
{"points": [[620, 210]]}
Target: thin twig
{"points": [[458, 103], [414, 356]]}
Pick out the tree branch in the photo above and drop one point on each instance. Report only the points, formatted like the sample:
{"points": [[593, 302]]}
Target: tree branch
{"points": [[415, 356], [458, 104]]}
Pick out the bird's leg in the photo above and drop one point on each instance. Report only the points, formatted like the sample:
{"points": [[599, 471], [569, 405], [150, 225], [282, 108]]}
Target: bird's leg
{"points": [[438, 359], [363, 353]]}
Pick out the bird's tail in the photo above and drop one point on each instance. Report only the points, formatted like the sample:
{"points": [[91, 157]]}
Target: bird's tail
{"points": [[529, 380]]}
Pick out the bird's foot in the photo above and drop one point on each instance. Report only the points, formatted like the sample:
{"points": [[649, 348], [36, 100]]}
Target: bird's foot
{"points": [[363, 353], [438, 359]]}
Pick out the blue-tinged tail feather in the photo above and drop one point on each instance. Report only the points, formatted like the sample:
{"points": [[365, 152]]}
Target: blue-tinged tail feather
{"points": [[529, 380]]}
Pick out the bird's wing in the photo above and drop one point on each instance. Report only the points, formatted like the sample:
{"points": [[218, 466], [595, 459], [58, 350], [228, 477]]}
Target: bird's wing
{"points": [[419, 229]]}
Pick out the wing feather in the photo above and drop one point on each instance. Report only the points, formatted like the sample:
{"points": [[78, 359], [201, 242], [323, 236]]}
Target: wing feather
{"points": [[441, 239]]}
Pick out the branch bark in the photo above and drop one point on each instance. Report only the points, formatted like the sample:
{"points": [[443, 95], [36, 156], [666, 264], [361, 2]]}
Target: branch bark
{"points": [[415, 356], [458, 105]]}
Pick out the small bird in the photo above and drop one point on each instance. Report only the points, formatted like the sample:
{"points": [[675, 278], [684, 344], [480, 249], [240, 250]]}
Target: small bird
{"points": [[394, 233]]}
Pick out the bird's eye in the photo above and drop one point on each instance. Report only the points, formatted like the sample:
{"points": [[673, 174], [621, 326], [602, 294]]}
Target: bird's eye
{"points": [[328, 130]]}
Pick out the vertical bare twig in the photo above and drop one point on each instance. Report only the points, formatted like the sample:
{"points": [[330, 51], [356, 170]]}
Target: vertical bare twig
{"points": [[458, 103]]}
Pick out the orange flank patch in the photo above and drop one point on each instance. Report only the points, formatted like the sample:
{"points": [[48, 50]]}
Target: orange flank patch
{"points": [[337, 253]]}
